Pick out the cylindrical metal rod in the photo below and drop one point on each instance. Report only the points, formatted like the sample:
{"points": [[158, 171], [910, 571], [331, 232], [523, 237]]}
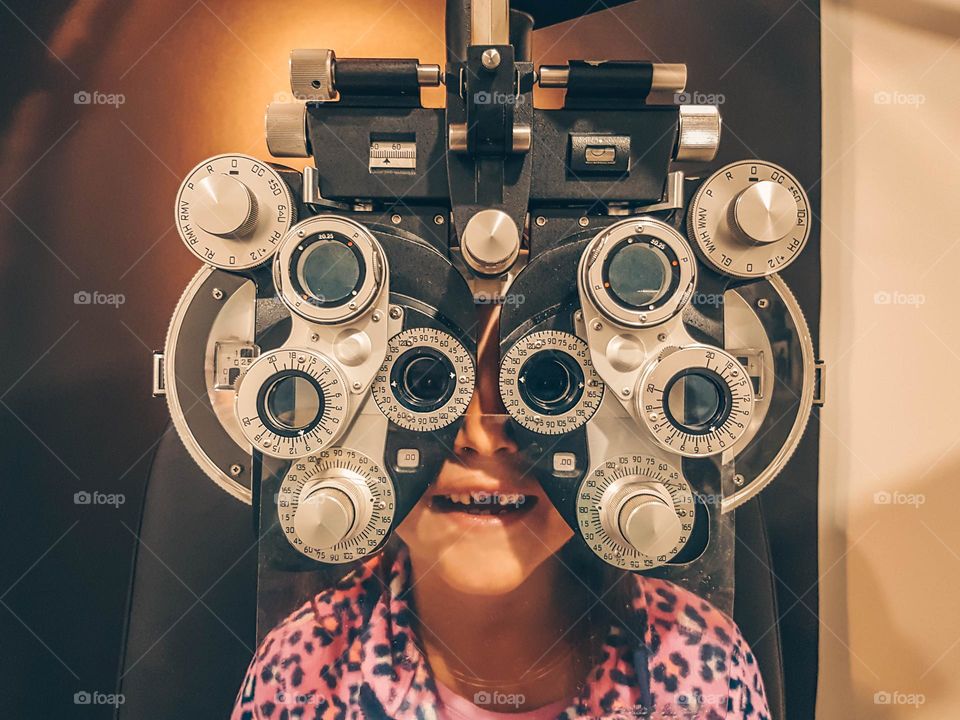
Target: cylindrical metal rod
{"points": [[666, 77], [489, 22]]}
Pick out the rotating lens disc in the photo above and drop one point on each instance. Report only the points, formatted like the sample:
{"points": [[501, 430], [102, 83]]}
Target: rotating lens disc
{"points": [[638, 272], [696, 401], [291, 403], [329, 269], [548, 383], [426, 380]]}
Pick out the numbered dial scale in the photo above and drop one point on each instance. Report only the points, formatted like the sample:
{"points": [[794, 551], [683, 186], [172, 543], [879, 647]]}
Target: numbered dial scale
{"points": [[336, 506], [426, 380], [232, 211], [548, 383], [636, 512], [750, 219], [292, 403], [696, 400]]}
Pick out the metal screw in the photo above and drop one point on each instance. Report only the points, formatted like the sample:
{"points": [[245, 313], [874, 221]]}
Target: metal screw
{"points": [[300, 233], [357, 385], [395, 219], [541, 221], [583, 222], [314, 337], [597, 325], [625, 392], [395, 313], [217, 294], [739, 480], [643, 318], [377, 316], [352, 306], [661, 337], [490, 59], [653, 417], [763, 303], [578, 316], [236, 469], [438, 220]]}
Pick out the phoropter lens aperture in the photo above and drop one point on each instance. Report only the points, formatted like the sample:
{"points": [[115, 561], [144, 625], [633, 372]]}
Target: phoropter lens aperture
{"points": [[638, 274], [423, 379], [551, 382], [291, 402], [697, 400], [327, 269]]}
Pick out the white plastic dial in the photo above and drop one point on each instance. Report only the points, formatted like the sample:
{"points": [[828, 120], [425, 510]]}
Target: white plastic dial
{"points": [[232, 210], [462, 374], [336, 506], [655, 400], [511, 378], [750, 219], [636, 512], [318, 381]]}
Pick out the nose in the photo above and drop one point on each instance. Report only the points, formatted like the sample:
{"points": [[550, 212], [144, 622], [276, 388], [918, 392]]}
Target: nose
{"points": [[485, 430], [483, 437]]}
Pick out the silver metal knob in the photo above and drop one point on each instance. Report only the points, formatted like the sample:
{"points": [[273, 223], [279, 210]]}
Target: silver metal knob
{"points": [[490, 242], [311, 74], [765, 212], [325, 515], [286, 129], [648, 521], [224, 206], [698, 137]]}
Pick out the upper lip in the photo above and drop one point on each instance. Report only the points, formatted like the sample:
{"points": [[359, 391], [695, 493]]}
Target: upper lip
{"points": [[482, 483]]}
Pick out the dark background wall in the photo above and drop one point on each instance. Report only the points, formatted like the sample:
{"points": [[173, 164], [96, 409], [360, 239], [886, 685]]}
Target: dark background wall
{"points": [[86, 194]]}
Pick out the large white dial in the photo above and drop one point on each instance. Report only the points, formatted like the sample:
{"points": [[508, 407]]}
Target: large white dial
{"points": [[750, 219], [426, 380], [336, 506], [635, 511], [696, 400], [292, 402], [548, 383], [232, 210]]}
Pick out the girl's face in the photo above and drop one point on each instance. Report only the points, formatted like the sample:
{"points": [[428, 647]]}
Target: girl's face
{"points": [[485, 525]]}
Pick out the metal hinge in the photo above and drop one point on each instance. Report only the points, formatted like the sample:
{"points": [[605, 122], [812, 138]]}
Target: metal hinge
{"points": [[819, 383], [159, 389]]}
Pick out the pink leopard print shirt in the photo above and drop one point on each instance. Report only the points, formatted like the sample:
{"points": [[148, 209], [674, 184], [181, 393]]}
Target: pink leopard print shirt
{"points": [[351, 654]]}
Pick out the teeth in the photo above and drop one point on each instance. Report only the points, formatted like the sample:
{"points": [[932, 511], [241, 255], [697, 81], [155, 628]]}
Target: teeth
{"points": [[481, 497]]}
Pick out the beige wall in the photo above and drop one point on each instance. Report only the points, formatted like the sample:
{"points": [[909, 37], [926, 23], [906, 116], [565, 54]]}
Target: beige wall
{"points": [[890, 554]]}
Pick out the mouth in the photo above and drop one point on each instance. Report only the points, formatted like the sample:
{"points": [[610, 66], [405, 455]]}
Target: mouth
{"points": [[481, 503]]}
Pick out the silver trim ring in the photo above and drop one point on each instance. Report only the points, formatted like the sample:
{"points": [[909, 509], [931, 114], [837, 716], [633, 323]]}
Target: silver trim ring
{"points": [[659, 377], [331, 422], [372, 256], [525, 348], [595, 257], [464, 373]]}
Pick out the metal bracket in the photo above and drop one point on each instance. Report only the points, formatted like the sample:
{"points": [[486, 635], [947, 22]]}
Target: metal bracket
{"points": [[159, 389], [819, 383]]}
